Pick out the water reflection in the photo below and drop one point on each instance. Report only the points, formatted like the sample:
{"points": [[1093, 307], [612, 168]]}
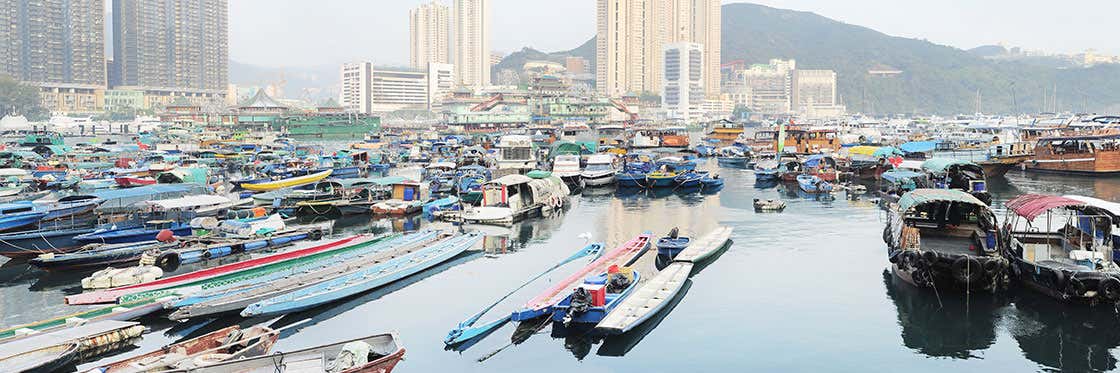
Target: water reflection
{"points": [[1066, 337], [945, 325]]}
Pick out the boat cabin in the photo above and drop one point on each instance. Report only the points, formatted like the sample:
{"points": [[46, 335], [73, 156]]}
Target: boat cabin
{"points": [[408, 190]]}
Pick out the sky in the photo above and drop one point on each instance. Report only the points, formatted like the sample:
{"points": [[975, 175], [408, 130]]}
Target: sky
{"points": [[328, 32]]}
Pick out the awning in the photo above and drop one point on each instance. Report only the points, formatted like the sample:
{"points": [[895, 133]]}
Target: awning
{"points": [[1030, 206], [941, 164], [918, 146], [923, 196]]}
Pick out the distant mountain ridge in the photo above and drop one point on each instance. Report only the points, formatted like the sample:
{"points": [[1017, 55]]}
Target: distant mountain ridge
{"points": [[935, 79]]}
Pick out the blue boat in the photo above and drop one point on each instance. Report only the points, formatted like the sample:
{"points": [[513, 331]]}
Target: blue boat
{"points": [[71, 206], [661, 179], [592, 314], [690, 179], [705, 150], [672, 244], [39, 241], [710, 180], [364, 280], [133, 233], [20, 215], [733, 157], [813, 184], [631, 179], [442, 204]]}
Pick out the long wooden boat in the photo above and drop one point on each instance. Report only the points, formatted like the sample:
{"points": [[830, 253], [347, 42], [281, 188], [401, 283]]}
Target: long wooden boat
{"points": [[1079, 155], [592, 315], [237, 299], [287, 183], [364, 280], [647, 300], [98, 255], [623, 255], [93, 339], [45, 359], [40, 241], [207, 249], [231, 343], [212, 273], [145, 232], [704, 247], [121, 312], [384, 352]]}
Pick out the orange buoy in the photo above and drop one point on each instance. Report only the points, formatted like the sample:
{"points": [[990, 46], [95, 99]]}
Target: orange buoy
{"points": [[165, 236]]}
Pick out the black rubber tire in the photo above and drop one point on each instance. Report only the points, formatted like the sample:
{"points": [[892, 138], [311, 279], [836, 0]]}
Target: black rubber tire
{"points": [[168, 261], [967, 269], [1109, 288], [315, 235], [1076, 287], [930, 257]]}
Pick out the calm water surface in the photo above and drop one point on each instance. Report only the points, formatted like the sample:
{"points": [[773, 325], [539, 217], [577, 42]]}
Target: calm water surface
{"points": [[806, 289]]}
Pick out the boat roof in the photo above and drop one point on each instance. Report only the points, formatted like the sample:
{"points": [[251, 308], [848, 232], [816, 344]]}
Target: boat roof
{"points": [[897, 175], [512, 179], [1111, 207], [600, 158], [874, 150], [147, 190], [940, 164], [923, 196], [1031, 205], [189, 201], [918, 146]]}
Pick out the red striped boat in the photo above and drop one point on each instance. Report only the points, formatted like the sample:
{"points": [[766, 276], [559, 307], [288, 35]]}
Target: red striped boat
{"points": [[106, 296], [621, 256], [126, 181]]}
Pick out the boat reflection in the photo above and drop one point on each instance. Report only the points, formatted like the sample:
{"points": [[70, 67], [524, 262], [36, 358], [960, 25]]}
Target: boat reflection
{"points": [[951, 325], [1075, 338]]}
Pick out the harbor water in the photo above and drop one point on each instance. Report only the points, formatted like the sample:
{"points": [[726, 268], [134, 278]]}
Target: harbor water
{"points": [[802, 290]]}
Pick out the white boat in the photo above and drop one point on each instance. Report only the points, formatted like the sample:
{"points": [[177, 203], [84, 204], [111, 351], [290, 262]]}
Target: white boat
{"points": [[600, 170], [200, 204], [516, 152], [566, 167], [512, 198], [645, 139]]}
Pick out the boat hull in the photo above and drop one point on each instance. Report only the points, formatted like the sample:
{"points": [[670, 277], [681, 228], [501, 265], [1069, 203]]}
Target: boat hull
{"points": [[598, 179], [32, 243]]}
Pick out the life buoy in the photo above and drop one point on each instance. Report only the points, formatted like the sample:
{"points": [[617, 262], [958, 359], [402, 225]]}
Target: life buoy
{"points": [[967, 269]]}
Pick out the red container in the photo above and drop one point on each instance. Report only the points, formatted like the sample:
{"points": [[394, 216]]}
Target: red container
{"points": [[598, 294]]}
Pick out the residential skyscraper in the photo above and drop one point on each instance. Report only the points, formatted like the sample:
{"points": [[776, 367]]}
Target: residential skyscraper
{"points": [[429, 38], [58, 45], [471, 35], [814, 94], [172, 48], [682, 95], [770, 87], [354, 94], [631, 35]]}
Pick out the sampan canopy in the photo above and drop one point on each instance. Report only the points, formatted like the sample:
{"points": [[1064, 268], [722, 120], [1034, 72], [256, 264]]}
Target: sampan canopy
{"points": [[1030, 206]]}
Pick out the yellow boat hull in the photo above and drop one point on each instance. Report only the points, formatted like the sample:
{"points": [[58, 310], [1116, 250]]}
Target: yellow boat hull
{"points": [[287, 183]]}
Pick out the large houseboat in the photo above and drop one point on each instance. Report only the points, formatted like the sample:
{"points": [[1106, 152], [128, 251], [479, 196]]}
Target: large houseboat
{"points": [[1084, 154]]}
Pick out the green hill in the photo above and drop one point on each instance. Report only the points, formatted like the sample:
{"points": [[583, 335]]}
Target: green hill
{"points": [[935, 78]]}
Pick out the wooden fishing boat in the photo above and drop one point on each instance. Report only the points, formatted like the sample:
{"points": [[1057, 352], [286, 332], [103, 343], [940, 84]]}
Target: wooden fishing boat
{"points": [[236, 299], [945, 238], [623, 255], [711, 180], [278, 260], [366, 279], [671, 244], [45, 359], [582, 307], [813, 184], [287, 183], [661, 179], [1078, 155], [382, 353], [93, 339], [647, 300], [117, 312], [198, 250], [231, 343], [1073, 263], [703, 248]]}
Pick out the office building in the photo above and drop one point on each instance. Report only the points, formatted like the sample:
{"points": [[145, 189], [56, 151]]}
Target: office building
{"points": [[575, 65], [371, 89], [814, 94], [683, 91], [171, 49], [429, 35], [58, 46], [769, 87], [471, 46]]}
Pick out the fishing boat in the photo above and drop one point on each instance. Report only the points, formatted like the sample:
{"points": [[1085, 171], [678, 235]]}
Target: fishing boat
{"points": [[945, 238], [689, 179], [364, 280], [469, 180], [710, 180], [733, 156], [868, 162], [566, 167], [813, 184], [131, 233], [378, 353], [761, 205], [958, 174], [822, 166], [18, 216], [199, 250], [702, 249], [1062, 247], [259, 265], [647, 300], [623, 255], [597, 296], [767, 171], [116, 312], [661, 179], [287, 183], [408, 198], [442, 204], [672, 244], [1077, 155], [92, 340], [226, 344], [894, 183], [25, 244], [43, 359], [513, 198], [600, 171]]}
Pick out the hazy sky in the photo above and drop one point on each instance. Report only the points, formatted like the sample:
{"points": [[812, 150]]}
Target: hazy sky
{"points": [[327, 32]]}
